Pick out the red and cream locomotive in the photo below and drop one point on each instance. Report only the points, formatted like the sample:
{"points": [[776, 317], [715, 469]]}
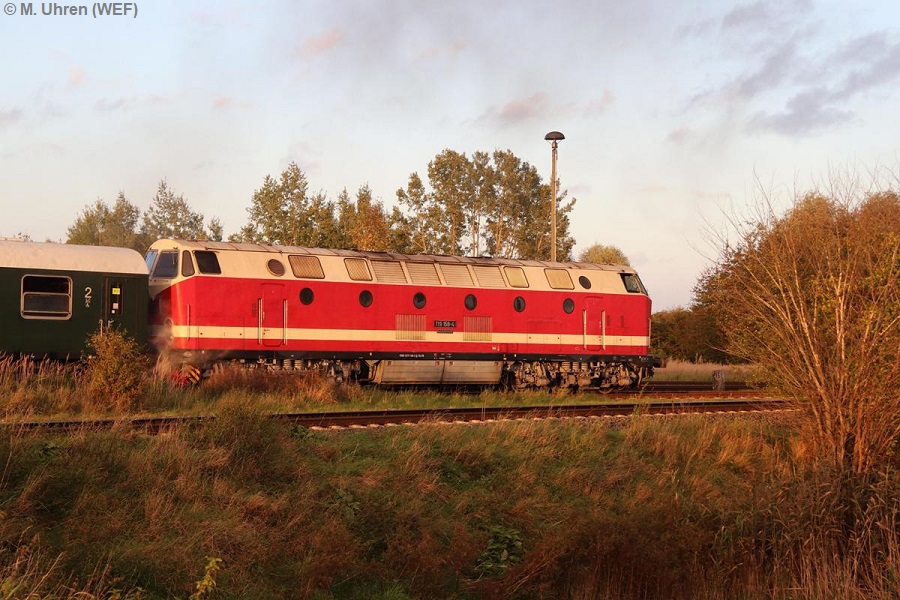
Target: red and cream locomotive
{"points": [[400, 319]]}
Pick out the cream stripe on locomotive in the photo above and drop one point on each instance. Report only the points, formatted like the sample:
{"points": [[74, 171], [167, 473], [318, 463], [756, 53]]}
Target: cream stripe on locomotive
{"points": [[183, 332]]}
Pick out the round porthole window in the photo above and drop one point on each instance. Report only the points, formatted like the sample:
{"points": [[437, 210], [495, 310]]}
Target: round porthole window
{"points": [[275, 267], [471, 301], [568, 305], [519, 304], [585, 282], [365, 298], [306, 296], [419, 300]]}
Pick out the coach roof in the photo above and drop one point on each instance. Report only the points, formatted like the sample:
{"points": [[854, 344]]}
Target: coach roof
{"points": [[70, 257]]}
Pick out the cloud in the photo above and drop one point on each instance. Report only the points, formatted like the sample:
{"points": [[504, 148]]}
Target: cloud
{"points": [[805, 113], [681, 135], [872, 61], [77, 77], [598, 106], [227, 102], [7, 117], [113, 105], [316, 45], [517, 111]]}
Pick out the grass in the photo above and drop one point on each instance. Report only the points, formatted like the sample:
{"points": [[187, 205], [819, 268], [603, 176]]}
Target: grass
{"points": [[679, 370], [682, 508]]}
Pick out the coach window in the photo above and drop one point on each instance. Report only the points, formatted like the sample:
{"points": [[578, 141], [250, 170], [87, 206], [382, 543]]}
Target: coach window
{"points": [[306, 296], [46, 297], [365, 298], [166, 265], [419, 300], [519, 304], [187, 265], [207, 262], [585, 282], [568, 305], [275, 267], [471, 301]]}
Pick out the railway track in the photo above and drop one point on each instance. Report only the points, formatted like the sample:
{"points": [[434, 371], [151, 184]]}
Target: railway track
{"points": [[380, 418]]}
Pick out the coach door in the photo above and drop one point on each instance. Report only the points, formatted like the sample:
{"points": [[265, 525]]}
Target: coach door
{"points": [[272, 316], [115, 314]]}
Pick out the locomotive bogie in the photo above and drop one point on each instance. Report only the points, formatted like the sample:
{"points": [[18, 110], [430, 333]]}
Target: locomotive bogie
{"points": [[54, 296]]}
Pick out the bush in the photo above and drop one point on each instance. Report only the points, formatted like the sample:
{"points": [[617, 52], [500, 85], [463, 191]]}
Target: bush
{"points": [[115, 375]]}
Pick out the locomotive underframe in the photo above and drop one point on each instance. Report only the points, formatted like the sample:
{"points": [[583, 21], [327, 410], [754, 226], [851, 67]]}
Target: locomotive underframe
{"points": [[514, 373]]}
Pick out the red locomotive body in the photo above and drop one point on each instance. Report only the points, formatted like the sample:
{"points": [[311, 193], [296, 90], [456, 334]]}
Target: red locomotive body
{"points": [[392, 318]]}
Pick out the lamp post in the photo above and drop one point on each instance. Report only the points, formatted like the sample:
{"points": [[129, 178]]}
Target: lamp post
{"points": [[554, 138]]}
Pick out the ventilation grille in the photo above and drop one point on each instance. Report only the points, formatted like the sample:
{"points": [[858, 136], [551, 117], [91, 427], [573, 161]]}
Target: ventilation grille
{"points": [[306, 267], [489, 276], [410, 327], [457, 275], [477, 329], [423, 273], [388, 272]]}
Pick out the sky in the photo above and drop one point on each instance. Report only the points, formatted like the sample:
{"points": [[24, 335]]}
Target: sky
{"points": [[676, 114]]}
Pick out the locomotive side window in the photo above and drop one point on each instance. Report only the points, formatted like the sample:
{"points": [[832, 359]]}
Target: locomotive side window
{"points": [[568, 306], [559, 279], [419, 300], [306, 296], [166, 265], [519, 304], [187, 265], [358, 269], [516, 276], [632, 283], [275, 267], [207, 262], [471, 302], [585, 282], [46, 297], [365, 298], [306, 267]]}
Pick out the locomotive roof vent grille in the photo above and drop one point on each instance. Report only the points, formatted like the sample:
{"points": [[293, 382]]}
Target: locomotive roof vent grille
{"points": [[456, 275], [388, 271], [489, 276], [423, 273], [559, 279], [306, 267], [516, 277], [358, 269]]}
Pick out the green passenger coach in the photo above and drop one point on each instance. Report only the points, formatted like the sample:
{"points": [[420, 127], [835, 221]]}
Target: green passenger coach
{"points": [[54, 296]]}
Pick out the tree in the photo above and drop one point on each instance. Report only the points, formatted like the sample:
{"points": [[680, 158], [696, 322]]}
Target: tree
{"points": [[814, 298], [283, 212], [170, 216], [364, 223], [492, 204], [603, 255], [101, 225]]}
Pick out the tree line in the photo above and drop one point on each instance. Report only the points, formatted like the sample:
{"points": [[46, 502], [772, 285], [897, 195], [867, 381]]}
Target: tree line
{"points": [[486, 204]]}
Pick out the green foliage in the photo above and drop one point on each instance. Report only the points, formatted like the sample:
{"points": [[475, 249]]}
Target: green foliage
{"points": [[489, 204], [603, 255], [504, 549], [101, 225], [115, 372], [170, 216], [207, 585]]}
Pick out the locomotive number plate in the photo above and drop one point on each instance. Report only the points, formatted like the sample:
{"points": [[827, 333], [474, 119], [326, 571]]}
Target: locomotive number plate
{"points": [[444, 324]]}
